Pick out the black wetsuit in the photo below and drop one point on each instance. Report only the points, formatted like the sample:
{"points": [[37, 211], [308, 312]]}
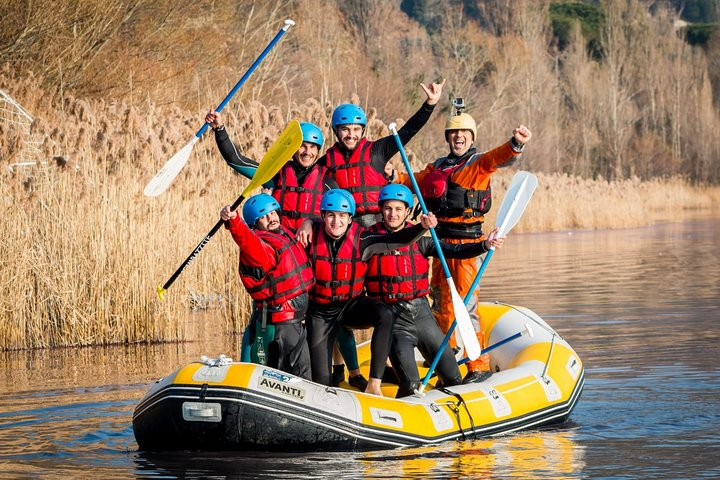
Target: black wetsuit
{"points": [[360, 312], [415, 326]]}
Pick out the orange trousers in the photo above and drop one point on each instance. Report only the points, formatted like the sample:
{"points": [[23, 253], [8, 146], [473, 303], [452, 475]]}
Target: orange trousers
{"points": [[463, 272]]}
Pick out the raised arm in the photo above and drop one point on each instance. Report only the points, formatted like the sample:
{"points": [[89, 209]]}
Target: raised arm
{"points": [[461, 250], [238, 162], [384, 149]]}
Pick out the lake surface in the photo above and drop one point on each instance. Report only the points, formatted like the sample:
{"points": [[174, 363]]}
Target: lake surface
{"points": [[641, 307]]}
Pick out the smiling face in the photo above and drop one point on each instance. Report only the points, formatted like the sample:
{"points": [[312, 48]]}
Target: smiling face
{"points": [[394, 213], [269, 222], [460, 141], [307, 154], [336, 223], [349, 135]]}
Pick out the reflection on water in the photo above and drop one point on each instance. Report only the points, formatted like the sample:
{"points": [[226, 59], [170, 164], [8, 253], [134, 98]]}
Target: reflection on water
{"points": [[531, 455], [640, 307]]}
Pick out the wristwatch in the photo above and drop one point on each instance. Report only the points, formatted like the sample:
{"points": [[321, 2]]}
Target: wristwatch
{"points": [[516, 146]]}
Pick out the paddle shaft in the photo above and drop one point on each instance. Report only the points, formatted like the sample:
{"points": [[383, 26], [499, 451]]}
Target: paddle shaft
{"points": [[506, 224], [495, 345], [450, 331], [421, 201], [162, 180], [201, 245], [467, 331], [249, 72], [277, 155]]}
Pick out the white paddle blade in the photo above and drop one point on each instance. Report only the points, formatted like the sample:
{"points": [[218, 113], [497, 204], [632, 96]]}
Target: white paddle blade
{"points": [[518, 196], [464, 325], [169, 171]]}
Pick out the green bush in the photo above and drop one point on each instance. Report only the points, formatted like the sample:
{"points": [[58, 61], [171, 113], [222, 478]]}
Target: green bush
{"points": [[591, 18]]}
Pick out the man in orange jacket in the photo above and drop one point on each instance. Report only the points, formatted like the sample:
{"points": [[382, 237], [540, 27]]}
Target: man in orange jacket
{"points": [[457, 189]]}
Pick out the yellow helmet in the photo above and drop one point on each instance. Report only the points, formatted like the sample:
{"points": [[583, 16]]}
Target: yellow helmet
{"points": [[462, 121]]}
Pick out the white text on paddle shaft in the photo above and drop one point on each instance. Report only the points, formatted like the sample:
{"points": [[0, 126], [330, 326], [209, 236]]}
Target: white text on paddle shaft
{"points": [[295, 392]]}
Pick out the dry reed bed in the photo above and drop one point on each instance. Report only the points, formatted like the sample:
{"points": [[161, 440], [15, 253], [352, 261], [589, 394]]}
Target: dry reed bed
{"points": [[83, 249]]}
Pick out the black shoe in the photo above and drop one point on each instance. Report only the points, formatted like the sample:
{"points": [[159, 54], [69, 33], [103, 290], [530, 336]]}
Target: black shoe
{"points": [[476, 377], [359, 382], [338, 375]]}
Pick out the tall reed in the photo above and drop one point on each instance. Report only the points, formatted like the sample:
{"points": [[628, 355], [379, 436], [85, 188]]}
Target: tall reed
{"points": [[83, 250]]}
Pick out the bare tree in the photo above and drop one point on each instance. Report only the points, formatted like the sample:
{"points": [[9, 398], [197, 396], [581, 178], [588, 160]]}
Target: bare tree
{"points": [[618, 112]]}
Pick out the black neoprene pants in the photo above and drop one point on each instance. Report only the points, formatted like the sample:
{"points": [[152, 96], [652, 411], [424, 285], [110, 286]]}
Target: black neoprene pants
{"points": [[323, 322], [415, 326]]}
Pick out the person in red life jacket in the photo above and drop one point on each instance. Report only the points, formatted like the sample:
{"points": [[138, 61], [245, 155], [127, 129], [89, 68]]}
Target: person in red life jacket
{"points": [[298, 186], [401, 279], [358, 164], [456, 188], [276, 272], [337, 248]]}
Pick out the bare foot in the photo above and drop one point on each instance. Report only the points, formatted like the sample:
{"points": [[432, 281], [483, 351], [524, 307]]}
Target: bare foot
{"points": [[373, 387]]}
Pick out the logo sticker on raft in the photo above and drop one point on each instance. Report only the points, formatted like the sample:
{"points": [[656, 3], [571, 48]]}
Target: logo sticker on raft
{"points": [[278, 383], [281, 377]]}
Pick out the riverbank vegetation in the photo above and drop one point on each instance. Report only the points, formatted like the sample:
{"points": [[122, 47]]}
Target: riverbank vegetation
{"points": [[622, 137]]}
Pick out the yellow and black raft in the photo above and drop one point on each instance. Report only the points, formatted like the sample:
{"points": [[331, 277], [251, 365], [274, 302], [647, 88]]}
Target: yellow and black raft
{"points": [[218, 404]]}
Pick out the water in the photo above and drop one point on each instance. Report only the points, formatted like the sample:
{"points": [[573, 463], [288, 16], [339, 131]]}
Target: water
{"points": [[640, 307]]}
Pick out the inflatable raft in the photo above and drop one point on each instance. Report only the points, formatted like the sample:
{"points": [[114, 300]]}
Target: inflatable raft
{"points": [[223, 405]]}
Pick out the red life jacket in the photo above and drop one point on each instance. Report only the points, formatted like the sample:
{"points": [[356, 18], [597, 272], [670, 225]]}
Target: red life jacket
{"points": [[299, 202], [446, 198], [291, 276], [357, 176], [341, 277], [400, 275]]}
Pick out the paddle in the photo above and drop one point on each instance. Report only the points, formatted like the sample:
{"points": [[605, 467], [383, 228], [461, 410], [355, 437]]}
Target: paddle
{"points": [[502, 342], [466, 330], [162, 180], [277, 155], [511, 209], [527, 330]]}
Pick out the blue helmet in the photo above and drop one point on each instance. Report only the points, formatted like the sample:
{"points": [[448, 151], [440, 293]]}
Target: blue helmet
{"points": [[348, 114], [311, 133], [394, 191], [258, 206], [338, 200]]}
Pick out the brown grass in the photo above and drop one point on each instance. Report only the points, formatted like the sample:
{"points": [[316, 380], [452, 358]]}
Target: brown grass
{"points": [[83, 249], [562, 202]]}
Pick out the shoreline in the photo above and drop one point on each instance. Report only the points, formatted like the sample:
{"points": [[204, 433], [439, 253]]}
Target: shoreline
{"points": [[86, 250], [563, 203]]}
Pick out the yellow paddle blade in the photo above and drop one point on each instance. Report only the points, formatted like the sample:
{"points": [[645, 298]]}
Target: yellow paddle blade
{"points": [[161, 292], [282, 150]]}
